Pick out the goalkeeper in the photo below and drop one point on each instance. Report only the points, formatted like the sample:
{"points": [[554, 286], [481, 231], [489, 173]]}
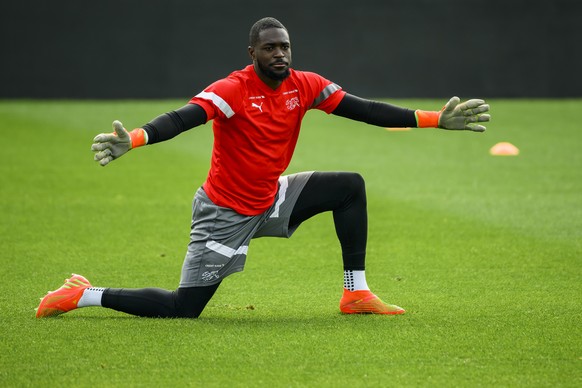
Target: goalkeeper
{"points": [[257, 113]]}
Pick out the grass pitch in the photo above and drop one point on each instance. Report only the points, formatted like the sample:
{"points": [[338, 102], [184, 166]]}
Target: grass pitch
{"points": [[484, 252]]}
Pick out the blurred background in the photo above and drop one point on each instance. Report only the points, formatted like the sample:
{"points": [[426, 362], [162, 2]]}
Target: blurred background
{"points": [[373, 48]]}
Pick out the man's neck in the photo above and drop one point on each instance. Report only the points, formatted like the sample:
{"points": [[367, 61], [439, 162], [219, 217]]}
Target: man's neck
{"points": [[271, 83]]}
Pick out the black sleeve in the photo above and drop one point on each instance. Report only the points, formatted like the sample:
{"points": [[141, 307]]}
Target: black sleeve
{"points": [[173, 123], [375, 112]]}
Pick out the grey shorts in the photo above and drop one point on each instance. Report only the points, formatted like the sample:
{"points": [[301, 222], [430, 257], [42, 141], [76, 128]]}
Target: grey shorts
{"points": [[220, 237]]}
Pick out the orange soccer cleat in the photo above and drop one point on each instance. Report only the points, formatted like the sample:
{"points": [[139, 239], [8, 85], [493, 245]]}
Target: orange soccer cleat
{"points": [[64, 299], [365, 302]]}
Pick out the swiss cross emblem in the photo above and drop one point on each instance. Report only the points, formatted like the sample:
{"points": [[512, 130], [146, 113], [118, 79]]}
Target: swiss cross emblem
{"points": [[292, 103]]}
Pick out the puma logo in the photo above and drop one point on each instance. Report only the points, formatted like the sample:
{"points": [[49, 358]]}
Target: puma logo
{"points": [[259, 107]]}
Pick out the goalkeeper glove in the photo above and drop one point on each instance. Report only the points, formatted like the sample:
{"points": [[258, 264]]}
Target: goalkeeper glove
{"points": [[456, 116], [110, 146], [464, 116]]}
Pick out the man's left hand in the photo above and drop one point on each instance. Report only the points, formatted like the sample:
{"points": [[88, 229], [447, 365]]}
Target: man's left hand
{"points": [[464, 116]]}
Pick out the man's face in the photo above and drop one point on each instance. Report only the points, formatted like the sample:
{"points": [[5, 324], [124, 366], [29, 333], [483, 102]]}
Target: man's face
{"points": [[272, 56]]}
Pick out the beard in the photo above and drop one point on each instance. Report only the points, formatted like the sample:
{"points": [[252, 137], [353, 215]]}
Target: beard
{"points": [[276, 76]]}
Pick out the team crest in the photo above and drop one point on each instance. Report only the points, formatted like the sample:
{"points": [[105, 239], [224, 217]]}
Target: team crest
{"points": [[208, 276], [292, 103]]}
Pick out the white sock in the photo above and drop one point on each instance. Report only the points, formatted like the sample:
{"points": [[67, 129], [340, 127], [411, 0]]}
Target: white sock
{"points": [[91, 297], [355, 280]]}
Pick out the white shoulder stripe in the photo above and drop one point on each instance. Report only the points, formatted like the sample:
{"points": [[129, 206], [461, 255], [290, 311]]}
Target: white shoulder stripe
{"points": [[218, 101]]}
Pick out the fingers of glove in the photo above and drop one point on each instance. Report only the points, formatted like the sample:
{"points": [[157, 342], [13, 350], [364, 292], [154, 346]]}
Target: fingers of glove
{"points": [[119, 130], [100, 146], [118, 136], [451, 105], [105, 160], [475, 127], [473, 106], [477, 118], [477, 110], [484, 117], [473, 103], [102, 154], [106, 138]]}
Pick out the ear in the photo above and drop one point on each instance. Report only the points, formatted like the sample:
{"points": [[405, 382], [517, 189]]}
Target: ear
{"points": [[251, 53]]}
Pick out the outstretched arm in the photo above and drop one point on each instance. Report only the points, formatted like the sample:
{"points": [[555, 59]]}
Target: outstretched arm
{"points": [[455, 115], [374, 112], [110, 146]]}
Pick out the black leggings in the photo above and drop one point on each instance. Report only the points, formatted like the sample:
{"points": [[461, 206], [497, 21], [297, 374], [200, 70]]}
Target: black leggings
{"points": [[156, 302], [343, 193]]}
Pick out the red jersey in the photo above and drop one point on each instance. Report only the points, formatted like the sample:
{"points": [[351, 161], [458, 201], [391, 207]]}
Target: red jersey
{"points": [[255, 133]]}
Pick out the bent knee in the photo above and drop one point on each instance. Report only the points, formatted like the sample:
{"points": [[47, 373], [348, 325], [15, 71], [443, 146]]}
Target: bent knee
{"points": [[355, 180], [352, 183]]}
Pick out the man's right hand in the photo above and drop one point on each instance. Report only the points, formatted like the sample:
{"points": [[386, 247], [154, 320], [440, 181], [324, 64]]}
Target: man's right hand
{"points": [[110, 146]]}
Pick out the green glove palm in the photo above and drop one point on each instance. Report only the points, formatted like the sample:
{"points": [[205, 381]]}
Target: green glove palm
{"points": [[463, 116], [110, 146]]}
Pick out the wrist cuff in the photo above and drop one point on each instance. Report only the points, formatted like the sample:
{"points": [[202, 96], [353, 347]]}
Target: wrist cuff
{"points": [[427, 119], [138, 137]]}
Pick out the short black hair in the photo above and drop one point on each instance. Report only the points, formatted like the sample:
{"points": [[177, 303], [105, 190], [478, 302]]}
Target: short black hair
{"points": [[261, 25]]}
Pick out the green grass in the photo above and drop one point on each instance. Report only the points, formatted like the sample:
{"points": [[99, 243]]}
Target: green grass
{"points": [[484, 252]]}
